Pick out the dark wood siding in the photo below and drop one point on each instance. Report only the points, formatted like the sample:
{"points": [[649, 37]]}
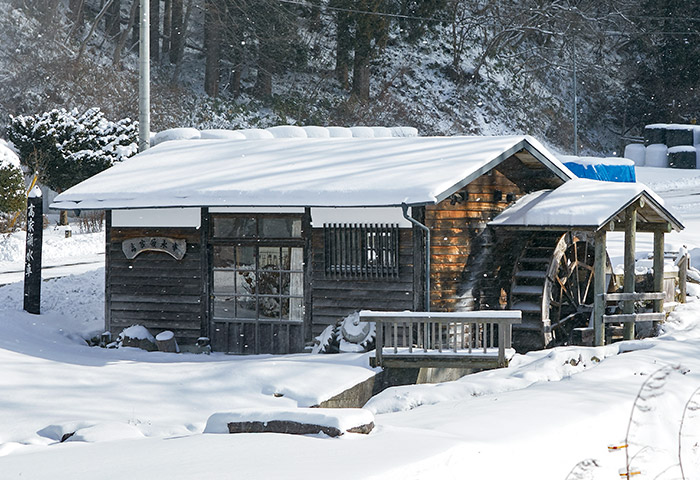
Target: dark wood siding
{"points": [[335, 298], [468, 271], [154, 289]]}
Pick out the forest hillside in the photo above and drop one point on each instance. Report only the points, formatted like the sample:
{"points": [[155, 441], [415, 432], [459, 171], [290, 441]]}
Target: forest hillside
{"points": [[444, 66]]}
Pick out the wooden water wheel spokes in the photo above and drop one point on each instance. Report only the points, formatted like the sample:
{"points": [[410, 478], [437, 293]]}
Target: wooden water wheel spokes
{"points": [[553, 286], [571, 301]]}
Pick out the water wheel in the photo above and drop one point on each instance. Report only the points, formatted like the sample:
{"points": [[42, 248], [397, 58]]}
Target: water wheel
{"points": [[553, 286]]}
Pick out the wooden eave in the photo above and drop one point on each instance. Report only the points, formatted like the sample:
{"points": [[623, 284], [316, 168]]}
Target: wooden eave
{"points": [[528, 155]]}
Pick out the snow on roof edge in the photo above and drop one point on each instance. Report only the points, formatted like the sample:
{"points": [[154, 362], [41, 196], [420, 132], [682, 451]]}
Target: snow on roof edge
{"points": [[486, 151]]}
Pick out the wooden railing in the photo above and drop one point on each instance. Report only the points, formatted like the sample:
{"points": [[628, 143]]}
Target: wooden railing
{"points": [[634, 317], [453, 339]]}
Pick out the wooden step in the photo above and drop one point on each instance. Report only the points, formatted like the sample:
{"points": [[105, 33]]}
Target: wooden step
{"points": [[526, 290], [531, 274], [527, 307]]}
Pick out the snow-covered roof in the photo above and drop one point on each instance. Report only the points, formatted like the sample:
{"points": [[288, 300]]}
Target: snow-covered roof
{"points": [[332, 172], [585, 204]]}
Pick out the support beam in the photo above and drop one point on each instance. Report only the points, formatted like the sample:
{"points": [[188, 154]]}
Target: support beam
{"points": [[658, 270], [630, 277], [599, 288]]}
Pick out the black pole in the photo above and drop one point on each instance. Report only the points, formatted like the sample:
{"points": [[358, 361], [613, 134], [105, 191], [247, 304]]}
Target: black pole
{"points": [[32, 269]]}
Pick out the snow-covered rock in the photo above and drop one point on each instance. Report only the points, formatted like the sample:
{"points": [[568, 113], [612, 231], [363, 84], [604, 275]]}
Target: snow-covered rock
{"points": [[339, 419]]}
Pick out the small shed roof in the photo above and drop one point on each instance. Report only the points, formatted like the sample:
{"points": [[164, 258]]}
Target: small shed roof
{"points": [[335, 172], [586, 204]]}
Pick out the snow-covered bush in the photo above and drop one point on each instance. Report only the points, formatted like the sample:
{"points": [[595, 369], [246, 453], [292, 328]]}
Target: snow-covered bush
{"points": [[66, 147], [12, 194]]}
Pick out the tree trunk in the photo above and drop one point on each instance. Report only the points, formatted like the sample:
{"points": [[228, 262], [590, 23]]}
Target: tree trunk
{"points": [[343, 44], [124, 34], [113, 19], [235, 82], [154, 21], [176, 31], [263, 80], [212, 47], [167, 18], [363, 50], [136, 27], [76, 13]]}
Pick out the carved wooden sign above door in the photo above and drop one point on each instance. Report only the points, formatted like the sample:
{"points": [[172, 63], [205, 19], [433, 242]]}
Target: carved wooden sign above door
{"points": [[175, 247]]}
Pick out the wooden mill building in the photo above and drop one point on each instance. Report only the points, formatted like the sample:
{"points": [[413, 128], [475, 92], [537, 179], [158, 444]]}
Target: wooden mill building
{"points": [[260, 244]]}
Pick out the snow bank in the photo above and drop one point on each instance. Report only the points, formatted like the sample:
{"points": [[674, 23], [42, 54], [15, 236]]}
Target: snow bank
{"points": [[404, 131], [256, 134], [362, 132], [287, 131], [316, 132], [340, 132], [175, 134], [220, 133], [57, 249]]}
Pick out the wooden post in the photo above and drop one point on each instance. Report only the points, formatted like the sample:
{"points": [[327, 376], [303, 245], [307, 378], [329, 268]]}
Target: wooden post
{"points": [[658, 270], [32, 269], [599, 288], [683, 277], [108, 270], [630, 277], [379, 341]]}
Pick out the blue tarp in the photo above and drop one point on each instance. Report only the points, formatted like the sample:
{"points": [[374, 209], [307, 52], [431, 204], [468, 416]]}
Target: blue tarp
{"points": [[600, 171]]}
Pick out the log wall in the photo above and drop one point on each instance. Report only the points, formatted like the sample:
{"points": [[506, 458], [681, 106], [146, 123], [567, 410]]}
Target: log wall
{"points": [[335, 298], [470, 267], [154, 289]]}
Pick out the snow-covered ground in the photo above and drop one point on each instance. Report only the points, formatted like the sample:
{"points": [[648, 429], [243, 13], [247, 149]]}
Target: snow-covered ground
{"points": [[61, 256], [550, 415]]}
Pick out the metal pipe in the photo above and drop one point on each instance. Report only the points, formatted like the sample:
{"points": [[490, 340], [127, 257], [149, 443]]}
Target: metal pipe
{"points": [[144, 78], [415, 222]]}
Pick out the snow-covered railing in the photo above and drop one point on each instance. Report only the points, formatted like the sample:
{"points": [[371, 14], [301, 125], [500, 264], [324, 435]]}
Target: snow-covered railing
{"points": [[443, 338]]}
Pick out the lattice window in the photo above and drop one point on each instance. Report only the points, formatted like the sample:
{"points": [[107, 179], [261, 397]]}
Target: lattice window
{"points": [[353, 250]]}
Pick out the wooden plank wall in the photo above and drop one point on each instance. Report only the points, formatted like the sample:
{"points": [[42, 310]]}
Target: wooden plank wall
{"points": [[335, 298], [154, 289], [468, 271]]}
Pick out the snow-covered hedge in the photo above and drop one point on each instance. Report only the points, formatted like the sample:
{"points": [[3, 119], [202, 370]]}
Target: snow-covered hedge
{"points": [[67, 147]]}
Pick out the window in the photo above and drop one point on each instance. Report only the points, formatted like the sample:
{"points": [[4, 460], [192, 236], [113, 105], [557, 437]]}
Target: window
{"points": [[256, 226], [352, 250], [258, 282], [257, 268]]}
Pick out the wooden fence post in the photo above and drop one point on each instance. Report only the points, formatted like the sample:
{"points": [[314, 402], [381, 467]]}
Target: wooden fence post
{"points": [[683, 277]]}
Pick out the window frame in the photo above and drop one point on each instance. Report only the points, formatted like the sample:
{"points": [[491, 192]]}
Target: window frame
{"points": [[352, 250], [257, 242]]}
